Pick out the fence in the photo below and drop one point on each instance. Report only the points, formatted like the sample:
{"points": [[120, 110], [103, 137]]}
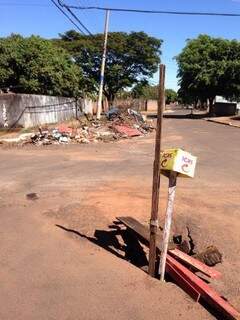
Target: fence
{"points": [[137, 104], [32, 110], [28, 110]]}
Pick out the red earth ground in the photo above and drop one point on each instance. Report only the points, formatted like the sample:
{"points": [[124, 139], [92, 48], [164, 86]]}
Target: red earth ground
{"points": [[63, 272]]}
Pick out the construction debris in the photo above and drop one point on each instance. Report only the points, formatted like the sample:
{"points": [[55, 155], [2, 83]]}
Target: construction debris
{"points": [[113, 113], [181, 268], [127, 131], [210, 256], [18, 140], [117, 124]]}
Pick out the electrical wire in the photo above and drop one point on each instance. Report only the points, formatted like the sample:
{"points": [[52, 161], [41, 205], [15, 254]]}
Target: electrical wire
{"points": [[69, 18], [84, 15], [75, 17], [223, 14], [23, 4], [79, 21]]}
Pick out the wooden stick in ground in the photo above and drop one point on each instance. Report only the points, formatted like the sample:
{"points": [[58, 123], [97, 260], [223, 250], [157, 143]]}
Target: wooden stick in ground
{"points": [[156, 175], [168, 221]]}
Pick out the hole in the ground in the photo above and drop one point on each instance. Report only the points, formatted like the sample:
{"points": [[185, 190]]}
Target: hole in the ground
{"points": [[191, 242], [127, 245]]}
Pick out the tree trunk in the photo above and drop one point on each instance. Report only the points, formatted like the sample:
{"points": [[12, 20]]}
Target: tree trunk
{"points": [[195, 104], [110, 98], [211, 106]]}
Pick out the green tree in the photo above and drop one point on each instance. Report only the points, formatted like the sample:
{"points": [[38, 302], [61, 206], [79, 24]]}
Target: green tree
{"points": [[131, 57], [146, 91], [171, 96], [35, 65], [208, 67]]}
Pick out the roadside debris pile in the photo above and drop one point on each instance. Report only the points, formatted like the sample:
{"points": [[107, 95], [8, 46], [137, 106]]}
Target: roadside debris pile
{"points": [[116, 124], [191, 273]]}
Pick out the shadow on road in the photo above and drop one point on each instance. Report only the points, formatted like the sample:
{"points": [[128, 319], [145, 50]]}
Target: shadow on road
{"points": [[130, 249], [186, 116], [180, 116]]}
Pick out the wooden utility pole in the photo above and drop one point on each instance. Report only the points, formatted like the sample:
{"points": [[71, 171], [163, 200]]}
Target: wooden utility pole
{"points": [[156, 174], [99, 104]]}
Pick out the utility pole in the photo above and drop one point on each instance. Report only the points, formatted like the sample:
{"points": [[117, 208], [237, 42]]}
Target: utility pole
{"points": [[168, 222], [156, 174], [99, 104]]}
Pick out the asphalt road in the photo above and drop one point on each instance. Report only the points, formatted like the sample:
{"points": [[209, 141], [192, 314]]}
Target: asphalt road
{"points": [[49, 273]]}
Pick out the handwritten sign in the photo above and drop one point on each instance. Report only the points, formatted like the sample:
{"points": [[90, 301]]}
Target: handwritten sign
{"points": [[178, 160]]}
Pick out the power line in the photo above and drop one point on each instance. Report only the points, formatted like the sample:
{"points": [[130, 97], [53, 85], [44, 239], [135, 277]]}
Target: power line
{"points": [[23, 4], [45, 5], [75, 17], [79, 21], [84, 13], [157, 11], [69, 18]]}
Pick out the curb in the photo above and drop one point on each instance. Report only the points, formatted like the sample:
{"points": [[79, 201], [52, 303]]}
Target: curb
{"points": [[224, 123]]}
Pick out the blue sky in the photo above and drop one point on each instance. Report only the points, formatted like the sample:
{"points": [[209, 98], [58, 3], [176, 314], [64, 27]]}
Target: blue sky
{"points": [[41, 17]]}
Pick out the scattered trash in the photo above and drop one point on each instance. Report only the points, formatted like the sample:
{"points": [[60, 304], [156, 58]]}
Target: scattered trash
{"points": [[136, 114], [116, 124], [84, 140], [129, 132], [63, 139], [23, 137], [113, 113], [32, 196], [56, 134], [62, 128]]}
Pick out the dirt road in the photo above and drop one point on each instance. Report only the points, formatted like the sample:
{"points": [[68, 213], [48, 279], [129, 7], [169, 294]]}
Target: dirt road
{"points": [[48, 272]]}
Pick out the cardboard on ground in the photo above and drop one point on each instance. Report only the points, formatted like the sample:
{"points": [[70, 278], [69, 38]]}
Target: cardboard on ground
{"points": [[178, 160]]}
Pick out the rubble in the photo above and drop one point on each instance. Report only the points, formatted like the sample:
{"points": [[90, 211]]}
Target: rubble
{"points": [[23, 137], [210, 256], [114, 125], [127, 131], [113, 113]]}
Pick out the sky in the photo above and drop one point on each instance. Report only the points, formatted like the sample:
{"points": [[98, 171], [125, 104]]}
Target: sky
{"points": [[40, 17]]}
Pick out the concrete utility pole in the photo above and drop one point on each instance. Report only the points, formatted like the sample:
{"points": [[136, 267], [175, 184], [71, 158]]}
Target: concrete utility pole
{"points": [[99, 105], [168, 222], [156, 174]]}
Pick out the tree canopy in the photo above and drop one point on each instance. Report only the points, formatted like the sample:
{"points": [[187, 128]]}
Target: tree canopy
{"points": [[208, 67], [35, 65], [171, 96], [151, 92], [144, 90], [131, 58]]}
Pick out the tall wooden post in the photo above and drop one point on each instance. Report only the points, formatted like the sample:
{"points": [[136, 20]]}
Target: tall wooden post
{"points": [[156, 174]]}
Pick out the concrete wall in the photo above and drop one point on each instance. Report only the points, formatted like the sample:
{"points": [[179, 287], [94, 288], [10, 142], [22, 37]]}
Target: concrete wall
{"points": [[152, 105], [32, 110], [136, 104]]}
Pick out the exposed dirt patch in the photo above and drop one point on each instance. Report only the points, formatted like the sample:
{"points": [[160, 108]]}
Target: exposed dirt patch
{"points": [[83, 218]]}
